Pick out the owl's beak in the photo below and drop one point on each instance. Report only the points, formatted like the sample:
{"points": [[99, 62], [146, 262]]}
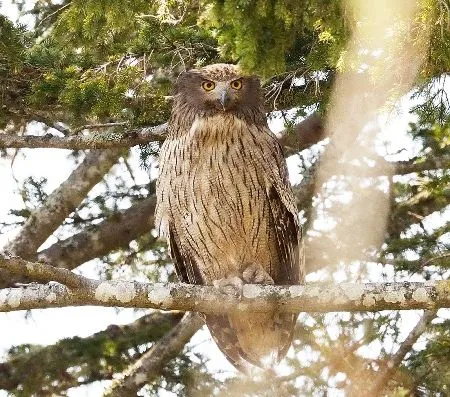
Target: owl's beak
{"points": [[224, 98]]}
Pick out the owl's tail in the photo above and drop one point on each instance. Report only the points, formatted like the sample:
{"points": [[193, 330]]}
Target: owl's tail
{"points": [[256, 339]]}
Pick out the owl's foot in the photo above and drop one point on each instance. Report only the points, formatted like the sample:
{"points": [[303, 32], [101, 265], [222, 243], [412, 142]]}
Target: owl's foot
{"points": [[230, 285], [255, 274]]}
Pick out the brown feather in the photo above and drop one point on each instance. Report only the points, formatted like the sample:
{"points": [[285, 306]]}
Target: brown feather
{"points": [[224, 201]]}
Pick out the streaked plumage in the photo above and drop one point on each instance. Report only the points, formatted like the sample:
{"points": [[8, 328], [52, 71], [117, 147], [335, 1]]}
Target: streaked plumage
{"points": [[225, 203]]}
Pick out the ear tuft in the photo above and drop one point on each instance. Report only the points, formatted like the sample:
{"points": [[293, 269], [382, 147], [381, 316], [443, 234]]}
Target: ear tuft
{"points": [[184, 78]]}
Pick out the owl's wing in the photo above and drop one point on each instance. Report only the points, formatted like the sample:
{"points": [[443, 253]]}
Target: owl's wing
{"points": [[284, 217], [185, 266], [288, 237]]}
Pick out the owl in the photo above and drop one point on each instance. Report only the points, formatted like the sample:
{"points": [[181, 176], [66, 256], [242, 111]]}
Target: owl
{"points": [[226, 208]]}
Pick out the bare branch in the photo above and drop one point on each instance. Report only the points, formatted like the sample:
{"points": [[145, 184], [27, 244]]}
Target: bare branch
{"points": [[257, 298], [61, 202], [151, 364], [303, 135], [112, 233], [43, 272], [108, 140], [314, 297]]}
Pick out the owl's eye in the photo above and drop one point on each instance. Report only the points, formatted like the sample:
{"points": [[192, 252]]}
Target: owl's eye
{"points": [[208, 85], [236, 84]]}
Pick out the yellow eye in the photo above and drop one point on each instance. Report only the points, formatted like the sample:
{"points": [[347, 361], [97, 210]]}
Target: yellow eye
{"points": [[208, 85], [236, 84]]}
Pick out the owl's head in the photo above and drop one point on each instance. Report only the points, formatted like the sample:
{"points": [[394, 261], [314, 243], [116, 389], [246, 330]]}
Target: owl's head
{"points": [[219, 88]]}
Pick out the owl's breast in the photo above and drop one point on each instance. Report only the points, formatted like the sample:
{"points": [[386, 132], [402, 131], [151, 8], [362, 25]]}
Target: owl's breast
{"points": [[214, 190], [219, 159]]}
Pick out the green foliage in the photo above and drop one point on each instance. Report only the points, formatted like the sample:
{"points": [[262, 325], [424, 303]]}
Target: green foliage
{"points": [[81, 358], [14, 41], [268, 37], [102, 27], [431, 367], [33, 192]]}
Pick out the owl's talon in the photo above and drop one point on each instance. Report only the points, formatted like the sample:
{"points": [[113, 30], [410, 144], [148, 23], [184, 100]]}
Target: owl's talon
{"points": [[255, 274], [230, 286]]}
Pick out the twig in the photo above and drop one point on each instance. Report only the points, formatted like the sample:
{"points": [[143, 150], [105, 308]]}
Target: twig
{"points": [[53, 13], [96, 126], [436, 258]]}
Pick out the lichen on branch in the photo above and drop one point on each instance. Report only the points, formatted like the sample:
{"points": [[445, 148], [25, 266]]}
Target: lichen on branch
{"points": [[313, 297]]}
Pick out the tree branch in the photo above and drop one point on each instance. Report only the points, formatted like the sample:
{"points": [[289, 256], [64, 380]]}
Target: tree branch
{"points": [[433, 163], [61, 202], [151, 364], [45, 273], [108, 140], [112, 233], [303, 135], [395, 361], [89, 358], [313, 297]]}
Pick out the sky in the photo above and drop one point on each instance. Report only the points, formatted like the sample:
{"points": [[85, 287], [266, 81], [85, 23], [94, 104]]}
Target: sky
{"points": [[47, 326]]}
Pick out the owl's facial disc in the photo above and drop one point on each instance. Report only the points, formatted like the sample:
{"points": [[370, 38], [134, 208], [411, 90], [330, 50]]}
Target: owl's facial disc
{"points": [[219, 89], [222, 93]]}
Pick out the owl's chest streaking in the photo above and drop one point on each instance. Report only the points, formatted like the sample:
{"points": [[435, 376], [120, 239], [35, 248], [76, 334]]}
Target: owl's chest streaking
{"points": [[215, 194]]}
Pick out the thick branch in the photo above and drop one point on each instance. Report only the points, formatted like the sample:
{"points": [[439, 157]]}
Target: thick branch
{"points": [[313, 297], [303, 135], [45, 273], [257, 298], [151, 364], [112, 233]]}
